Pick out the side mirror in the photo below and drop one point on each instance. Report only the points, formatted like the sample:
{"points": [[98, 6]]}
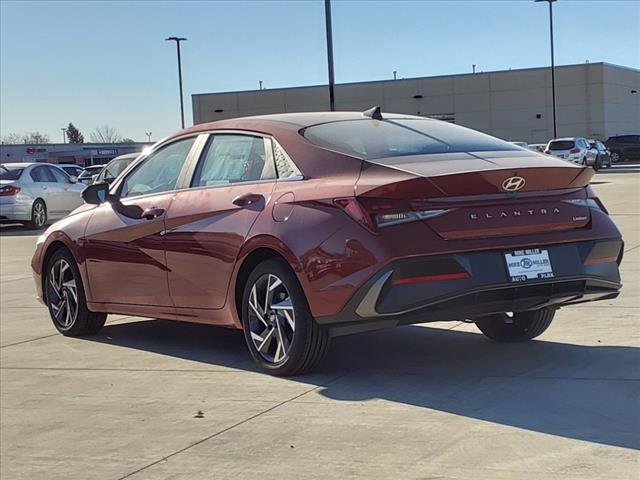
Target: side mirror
{"points": [[73, 179], [96, 194]]}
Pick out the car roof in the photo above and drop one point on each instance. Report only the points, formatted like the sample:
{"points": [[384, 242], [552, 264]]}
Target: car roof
{"points": [[126, 156], [564, 138], [287, 121], [22, 164]]}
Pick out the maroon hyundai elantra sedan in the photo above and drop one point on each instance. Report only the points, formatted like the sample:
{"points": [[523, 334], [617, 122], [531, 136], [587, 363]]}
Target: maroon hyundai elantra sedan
{"points": [[300, 227]]}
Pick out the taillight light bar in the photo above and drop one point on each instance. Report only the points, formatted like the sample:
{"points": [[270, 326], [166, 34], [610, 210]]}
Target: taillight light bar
{"points": [[9, 191], [381, 213], [574, 150]]}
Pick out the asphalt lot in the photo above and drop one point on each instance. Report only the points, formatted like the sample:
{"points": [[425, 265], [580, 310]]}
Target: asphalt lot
{"points": [[148, 399]]}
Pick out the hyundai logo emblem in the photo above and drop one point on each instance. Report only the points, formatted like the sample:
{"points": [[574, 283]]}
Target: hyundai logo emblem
{"points": [[513, 184]]}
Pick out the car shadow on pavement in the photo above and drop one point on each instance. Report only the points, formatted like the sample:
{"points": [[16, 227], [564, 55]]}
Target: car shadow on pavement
{"points": [[586, 392], [18, 231]]}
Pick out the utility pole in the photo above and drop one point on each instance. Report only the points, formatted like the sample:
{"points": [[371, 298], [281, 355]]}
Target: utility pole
{"points": [[327, 17], [64, 135], [553, 66], [148, 134], [395, 73], [178, 40]]}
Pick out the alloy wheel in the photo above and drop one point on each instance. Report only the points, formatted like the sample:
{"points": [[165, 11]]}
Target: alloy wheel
{"points": [[271, 318], [39, 214], [62, 293]]}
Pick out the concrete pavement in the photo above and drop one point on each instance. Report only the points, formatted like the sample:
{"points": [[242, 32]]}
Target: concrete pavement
{"points": [[149, 399]]}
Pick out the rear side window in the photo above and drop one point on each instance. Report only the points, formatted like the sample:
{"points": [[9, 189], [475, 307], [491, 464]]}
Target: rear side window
{"points": [[233, 159], [371, 139], [41, 174], [561, 145]]}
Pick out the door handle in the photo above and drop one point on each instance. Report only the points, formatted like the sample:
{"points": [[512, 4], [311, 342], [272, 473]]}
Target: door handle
{"points": [[44, 187], [247, 199], [152, 212]]}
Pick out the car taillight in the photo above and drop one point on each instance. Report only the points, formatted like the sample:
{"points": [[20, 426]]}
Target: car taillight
{"points": [[574, 150], [379, 212], [9, 190]]}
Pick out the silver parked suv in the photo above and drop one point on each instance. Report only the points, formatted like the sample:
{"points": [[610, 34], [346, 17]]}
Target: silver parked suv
{"points": [[575, 149], [33, 193]]}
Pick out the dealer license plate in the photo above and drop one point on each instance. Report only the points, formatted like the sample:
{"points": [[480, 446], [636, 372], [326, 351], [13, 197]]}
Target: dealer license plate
{"points": [[528, 264]]}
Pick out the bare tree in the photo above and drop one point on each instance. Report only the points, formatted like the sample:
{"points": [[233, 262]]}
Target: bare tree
{"points": [[105, 134], [11, 138], [35, 137]]}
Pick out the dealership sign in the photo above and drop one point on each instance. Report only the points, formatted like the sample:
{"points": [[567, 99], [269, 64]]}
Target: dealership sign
{"points": [[108, 151]]}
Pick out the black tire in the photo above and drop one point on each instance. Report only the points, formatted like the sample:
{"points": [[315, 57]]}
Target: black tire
{"points": [[597, 164], [39, 215], [83, 322], [307, 342], [520, 327]]}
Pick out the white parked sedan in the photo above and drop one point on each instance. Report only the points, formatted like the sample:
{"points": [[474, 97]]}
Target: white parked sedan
{"points": [[34, 193]]}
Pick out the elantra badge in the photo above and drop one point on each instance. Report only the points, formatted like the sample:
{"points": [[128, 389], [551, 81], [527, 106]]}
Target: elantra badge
{"points": [[513, 184]]}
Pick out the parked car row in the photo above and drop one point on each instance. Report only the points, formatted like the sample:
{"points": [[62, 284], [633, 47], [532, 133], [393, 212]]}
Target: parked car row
{"points": [[588, 151], [35, 193]]}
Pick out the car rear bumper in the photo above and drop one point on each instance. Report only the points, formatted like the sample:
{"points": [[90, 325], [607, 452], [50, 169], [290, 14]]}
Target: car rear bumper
{"points": [[467, 285]]}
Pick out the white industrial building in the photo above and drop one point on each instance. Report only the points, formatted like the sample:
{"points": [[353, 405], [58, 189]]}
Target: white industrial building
{"points": [[596, 100]]}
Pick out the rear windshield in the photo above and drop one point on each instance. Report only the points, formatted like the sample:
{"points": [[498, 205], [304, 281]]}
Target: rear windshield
{"points": [[561, 145], [10, 173], [370, 139]]}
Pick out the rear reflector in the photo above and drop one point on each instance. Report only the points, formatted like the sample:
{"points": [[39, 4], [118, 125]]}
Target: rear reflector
{"points": [[595, 261], [431, 278]]}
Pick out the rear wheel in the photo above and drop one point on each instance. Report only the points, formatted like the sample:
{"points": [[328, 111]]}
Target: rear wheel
{"points": [[38, 215], [615, 157], [281, 334], [516, 327], [66, 299]]}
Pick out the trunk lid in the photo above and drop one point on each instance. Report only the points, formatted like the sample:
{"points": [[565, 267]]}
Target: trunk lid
{"points": [[506, 193]]}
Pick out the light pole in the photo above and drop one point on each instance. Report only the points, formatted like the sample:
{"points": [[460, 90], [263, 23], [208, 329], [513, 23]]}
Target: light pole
{"points": [[148, 134], [178, 40], [553, 68], [327, 18], [64, 135]]}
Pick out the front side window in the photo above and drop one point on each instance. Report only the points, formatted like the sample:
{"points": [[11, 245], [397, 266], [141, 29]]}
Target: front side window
{"points": [[159, 172], [370, 139], [58, 175], [233, 159], [115, 168]]}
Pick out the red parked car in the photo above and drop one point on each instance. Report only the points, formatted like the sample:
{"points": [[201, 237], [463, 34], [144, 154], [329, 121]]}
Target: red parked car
{"points": [[300, 227]]}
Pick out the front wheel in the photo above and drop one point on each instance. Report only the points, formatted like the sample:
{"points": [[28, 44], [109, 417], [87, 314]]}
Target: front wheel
{"points": [[516, 327], [279, 330], [615, 157], [66, 299]]}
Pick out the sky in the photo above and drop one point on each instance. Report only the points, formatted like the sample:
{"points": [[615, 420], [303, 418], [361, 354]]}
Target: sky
{"points": [[106, 62]]}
